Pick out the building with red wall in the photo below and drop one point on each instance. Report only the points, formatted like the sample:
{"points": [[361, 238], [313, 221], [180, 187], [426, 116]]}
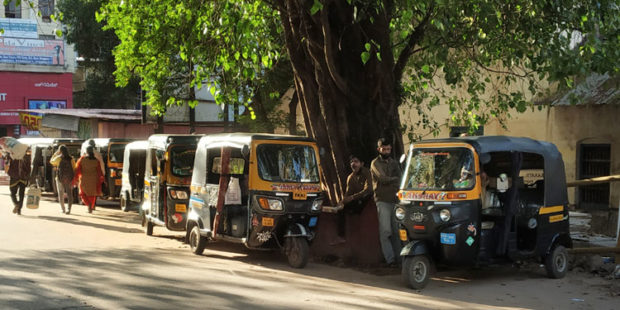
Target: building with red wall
{"points": [[31, 90]]}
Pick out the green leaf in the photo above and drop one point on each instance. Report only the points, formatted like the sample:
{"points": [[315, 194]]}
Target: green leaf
{"points": [[316, 6], [367, 47], [58, 33], [426, 69], [365, 57]]}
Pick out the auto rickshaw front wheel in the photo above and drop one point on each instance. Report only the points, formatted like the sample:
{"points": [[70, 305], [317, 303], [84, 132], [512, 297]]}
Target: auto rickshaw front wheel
{"points": [[297, 251], [416, 271], [197, 242], [556, 262]]}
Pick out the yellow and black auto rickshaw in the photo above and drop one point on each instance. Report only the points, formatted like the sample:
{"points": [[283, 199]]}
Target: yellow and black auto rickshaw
{"points": [[482, 200], [167, 175], [259, 190]]}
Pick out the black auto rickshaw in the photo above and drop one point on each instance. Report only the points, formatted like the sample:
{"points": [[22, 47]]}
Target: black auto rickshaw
{"points": [[259, 190], [132, 188], [112, 152], [167, 176], [482, 200]]}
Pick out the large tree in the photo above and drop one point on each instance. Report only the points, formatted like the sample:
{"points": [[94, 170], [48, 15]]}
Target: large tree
{"points": [[356, 62]]}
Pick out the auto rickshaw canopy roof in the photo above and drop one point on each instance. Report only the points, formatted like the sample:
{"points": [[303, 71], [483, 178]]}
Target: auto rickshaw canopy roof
{"points": [[162, 141], [243, 138], [554, 174]]}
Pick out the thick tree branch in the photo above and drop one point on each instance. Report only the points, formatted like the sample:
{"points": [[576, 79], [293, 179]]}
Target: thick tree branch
{"points": [[328, 51], [414, 38]]}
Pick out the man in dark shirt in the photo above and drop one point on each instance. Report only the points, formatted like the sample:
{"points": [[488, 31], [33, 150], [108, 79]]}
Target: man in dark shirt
{"points": [[386, 176], [19, 173], [359, 189]]}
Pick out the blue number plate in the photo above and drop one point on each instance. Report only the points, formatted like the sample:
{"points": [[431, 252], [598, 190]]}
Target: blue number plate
{"points": [[448, 238], [312, 222]]}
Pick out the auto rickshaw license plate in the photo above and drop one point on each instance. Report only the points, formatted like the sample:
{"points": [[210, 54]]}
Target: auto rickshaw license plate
{"points": [[180, 207], [118, 182], [300, 196], [267, 221], [446, 238]]}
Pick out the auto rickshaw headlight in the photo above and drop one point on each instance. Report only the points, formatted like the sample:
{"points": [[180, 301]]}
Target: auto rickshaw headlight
{"points": [[178, 194], [445, 215], [270, 204], [399, 213], [317, 204]]}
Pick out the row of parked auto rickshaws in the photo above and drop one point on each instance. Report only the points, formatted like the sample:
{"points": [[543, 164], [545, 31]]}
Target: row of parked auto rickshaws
{"points": [[264, 191]]}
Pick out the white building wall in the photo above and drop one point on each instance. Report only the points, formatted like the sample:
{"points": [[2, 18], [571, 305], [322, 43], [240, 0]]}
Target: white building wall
{"points": [[46, 31]]}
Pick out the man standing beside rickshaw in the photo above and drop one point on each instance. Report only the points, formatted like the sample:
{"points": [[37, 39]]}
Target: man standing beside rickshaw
{"points": [[386, 176]]}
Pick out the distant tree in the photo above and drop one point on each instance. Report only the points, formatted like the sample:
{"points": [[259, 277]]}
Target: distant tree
{"points": [[94, 45]]}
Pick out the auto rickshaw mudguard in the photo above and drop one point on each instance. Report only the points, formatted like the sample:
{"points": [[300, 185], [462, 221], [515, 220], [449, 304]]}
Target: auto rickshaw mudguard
{"points": [[561, 239], [193, 217], [415, 247], [298, 230]]}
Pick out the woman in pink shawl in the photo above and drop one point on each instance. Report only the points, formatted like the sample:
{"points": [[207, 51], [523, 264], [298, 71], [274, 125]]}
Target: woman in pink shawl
{"points": [[88, 174]]}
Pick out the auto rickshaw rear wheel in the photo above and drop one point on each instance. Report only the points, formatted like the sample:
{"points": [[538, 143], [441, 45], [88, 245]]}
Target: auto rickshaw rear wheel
{"points": [[416, 271], [149, 228], [124, 203], [556, 262], [197, 242], [297, 251]]}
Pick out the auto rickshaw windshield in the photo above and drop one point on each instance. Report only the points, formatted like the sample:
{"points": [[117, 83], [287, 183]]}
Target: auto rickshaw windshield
{"points": [[117, 151], [287, 163], [440, 169], [182, 160]]}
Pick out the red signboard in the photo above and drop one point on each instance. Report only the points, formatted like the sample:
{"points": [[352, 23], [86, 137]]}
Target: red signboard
{"points": [[17, 89]]}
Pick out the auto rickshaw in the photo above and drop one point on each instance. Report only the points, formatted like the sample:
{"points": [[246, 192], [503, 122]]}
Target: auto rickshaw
{"points": [[167, 176], [42, 150], [112, 152], [480, 200], [259, 190], [132, 188]]}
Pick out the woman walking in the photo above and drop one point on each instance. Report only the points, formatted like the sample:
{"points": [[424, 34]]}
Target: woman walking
{"points": [[88, 174], [64, 177]]}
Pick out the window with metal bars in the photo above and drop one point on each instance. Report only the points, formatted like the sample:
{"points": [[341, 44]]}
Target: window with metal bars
{"points": [[594, 161]]}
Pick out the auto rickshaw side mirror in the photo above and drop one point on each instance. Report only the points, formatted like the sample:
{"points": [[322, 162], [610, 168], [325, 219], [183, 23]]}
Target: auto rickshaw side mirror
{"points": [[245, 151]]}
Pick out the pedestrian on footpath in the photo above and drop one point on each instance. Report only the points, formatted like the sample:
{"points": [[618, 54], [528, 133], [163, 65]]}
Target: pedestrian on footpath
{"points": [[64, 177], [89, 178], [19, 174], [386, 176], [358, 192]]}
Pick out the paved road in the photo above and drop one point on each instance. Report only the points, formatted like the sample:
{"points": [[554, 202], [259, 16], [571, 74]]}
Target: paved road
{"points": [[104, 260]]}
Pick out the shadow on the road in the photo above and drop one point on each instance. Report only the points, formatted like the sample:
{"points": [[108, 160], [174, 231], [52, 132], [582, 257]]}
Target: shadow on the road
{"points": [[132, 278], [74, 221]]}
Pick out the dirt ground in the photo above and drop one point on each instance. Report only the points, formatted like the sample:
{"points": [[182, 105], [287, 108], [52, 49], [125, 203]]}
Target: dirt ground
{"points": [[104, 260]]}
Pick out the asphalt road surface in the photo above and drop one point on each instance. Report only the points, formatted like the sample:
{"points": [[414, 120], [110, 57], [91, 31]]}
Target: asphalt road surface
{"points": [[104, 260]]}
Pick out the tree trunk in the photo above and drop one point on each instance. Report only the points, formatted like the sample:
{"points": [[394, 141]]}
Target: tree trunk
{"points": [[192, 111], [347, 105], [292, 114]]}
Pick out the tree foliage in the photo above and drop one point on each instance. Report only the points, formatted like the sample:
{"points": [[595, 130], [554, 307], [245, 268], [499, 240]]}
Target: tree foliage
{"points": [[356, 62]]}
